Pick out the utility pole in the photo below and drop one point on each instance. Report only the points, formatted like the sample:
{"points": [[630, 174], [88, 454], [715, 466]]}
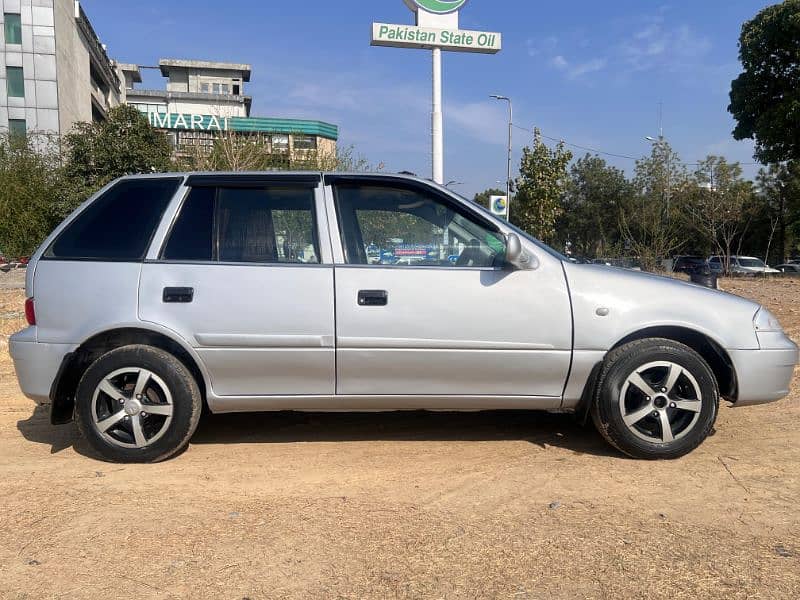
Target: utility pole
{"points": [[510, 150]]}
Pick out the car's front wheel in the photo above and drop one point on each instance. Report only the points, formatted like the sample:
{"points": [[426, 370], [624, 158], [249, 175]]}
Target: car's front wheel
{"points": [[137, 404], [656, 399]]}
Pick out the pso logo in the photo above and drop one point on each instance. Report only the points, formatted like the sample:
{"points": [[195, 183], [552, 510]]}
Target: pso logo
{"points": [[437, 7], [499, 205]]}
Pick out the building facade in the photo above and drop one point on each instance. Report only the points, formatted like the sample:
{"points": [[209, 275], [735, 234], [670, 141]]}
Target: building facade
{"points": [[202, 100], [55, 70], [55, 73]]}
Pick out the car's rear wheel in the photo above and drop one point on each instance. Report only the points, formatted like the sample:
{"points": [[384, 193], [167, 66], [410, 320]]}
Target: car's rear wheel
{"points": [[137, 404], [656, 399]]}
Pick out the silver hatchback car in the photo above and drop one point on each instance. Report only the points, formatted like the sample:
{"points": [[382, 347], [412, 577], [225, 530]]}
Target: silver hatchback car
{"points": [[354, 292]]}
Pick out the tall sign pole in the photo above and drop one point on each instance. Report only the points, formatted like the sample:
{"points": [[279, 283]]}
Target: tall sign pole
{"points": [[436, 29], [437, 119]]}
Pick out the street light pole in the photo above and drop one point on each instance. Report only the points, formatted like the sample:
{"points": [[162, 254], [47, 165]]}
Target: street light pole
{"points": [[510, 149]]}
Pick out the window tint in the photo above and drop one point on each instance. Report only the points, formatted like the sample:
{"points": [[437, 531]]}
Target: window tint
{"points": [[395, 226], [192, 234], [119, 224], [274, 225]]}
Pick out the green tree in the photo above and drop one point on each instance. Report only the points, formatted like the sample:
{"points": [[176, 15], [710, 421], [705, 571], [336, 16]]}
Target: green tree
{"points": [[123, 144], [484, 198], [721, 205], [596, 196], [653, 223], [35, 193], [779, 186], [765, 98], [540, 188]]}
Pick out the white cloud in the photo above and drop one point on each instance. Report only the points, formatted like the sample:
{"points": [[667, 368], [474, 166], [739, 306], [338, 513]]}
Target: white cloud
{"points": [[484, 121]]}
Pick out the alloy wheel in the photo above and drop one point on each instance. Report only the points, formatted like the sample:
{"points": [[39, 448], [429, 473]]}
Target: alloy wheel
{"points": [[132, 407], [660, 402]]}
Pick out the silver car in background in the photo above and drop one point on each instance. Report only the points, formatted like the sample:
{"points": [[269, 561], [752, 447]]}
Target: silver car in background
{"points": [[255, 292]]}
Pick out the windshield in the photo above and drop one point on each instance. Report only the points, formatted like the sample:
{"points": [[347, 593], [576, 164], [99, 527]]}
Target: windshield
{"points": [[752, 263], [514, 228]]}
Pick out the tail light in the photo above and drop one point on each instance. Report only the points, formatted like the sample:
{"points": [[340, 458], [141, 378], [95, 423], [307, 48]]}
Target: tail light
{"points": [[30, 312]]}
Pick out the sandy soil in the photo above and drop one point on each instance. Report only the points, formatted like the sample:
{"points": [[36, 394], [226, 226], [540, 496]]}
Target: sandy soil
{"points": [[385, 506]]}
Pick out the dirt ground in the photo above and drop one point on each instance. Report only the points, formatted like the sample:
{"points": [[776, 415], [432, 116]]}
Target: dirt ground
{"points": [[402, 505]]}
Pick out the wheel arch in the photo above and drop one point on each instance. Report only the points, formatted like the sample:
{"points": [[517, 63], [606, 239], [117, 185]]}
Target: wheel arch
{"points": [[65, 385], [709, 349]]}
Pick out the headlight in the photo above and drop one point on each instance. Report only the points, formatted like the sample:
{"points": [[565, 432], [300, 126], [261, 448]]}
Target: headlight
{"points": [[766, 321]]}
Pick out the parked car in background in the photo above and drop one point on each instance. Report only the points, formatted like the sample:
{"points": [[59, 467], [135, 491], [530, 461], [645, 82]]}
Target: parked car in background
{"points": [[789, 268], [196, 302], [5, 266], [688, 264], [741, 265]]}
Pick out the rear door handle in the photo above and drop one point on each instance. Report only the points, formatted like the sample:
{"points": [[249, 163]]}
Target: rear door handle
{"points": [[373, 298], [178, 295]]}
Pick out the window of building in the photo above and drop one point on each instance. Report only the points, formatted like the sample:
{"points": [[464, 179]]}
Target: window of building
{"points": [[215, 87], [272, 225], [118, 225], [205, 88], [280, 143], [397, 226], [17, 127], [225, 88], [236, 89], [13, 27], [305, 142], [15, 82]]}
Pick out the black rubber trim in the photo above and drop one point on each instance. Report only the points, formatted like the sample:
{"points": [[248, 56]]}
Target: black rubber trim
{"points": [[253, 180]]}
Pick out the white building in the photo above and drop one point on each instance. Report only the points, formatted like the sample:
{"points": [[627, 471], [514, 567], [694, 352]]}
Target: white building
{"points": [[54, 70]]}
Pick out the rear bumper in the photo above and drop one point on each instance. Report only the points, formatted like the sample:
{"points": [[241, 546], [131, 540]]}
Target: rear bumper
{"points": [[36, 364], [765, 375]]}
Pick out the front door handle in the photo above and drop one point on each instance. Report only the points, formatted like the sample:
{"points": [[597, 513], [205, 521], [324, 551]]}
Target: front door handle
{"points": [[373, 298], [178, 295]]}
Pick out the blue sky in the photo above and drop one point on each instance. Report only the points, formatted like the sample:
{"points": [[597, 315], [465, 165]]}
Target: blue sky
{"points": [[591, 73]]}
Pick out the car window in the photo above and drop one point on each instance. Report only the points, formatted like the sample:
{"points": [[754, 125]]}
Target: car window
{"points": [[193, 233], [396, 226], [259, 225], [119, 224], [752, 263]]}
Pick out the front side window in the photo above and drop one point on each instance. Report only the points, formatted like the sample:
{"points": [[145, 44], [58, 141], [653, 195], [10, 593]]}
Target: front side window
{"points": [[13, 28], [15, 82], [240, 225], [119, 224], [397, 226]]}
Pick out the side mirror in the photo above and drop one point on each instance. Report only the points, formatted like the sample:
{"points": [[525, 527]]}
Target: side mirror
{"points": [[517, 255]]}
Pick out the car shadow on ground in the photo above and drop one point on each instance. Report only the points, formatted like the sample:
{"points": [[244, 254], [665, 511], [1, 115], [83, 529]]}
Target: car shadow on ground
{"points": [[537, 428]]}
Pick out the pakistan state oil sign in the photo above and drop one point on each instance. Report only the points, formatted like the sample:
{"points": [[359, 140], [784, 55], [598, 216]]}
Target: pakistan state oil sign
{"points": [[409, 36]]}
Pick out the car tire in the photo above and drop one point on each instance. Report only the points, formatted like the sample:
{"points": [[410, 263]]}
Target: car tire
{"points": [[655, 399], [137, 404]]}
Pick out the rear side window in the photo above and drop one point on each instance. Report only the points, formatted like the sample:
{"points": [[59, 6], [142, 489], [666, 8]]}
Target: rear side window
{"points": [[246, 225], [119, 224], [192, 235]]}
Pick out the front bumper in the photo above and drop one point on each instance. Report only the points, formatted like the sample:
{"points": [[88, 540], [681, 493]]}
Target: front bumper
{"points": [[36, 364], [765, 375]]}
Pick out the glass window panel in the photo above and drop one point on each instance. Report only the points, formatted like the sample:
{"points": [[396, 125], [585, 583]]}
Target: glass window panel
{"points": [[13, 28], [17, 127], [274, 225], [395, 226], [15, 80]]}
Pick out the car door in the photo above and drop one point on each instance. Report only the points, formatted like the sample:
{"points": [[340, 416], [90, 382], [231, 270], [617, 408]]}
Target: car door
{"points": [[440, 313], [243, 278]]}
